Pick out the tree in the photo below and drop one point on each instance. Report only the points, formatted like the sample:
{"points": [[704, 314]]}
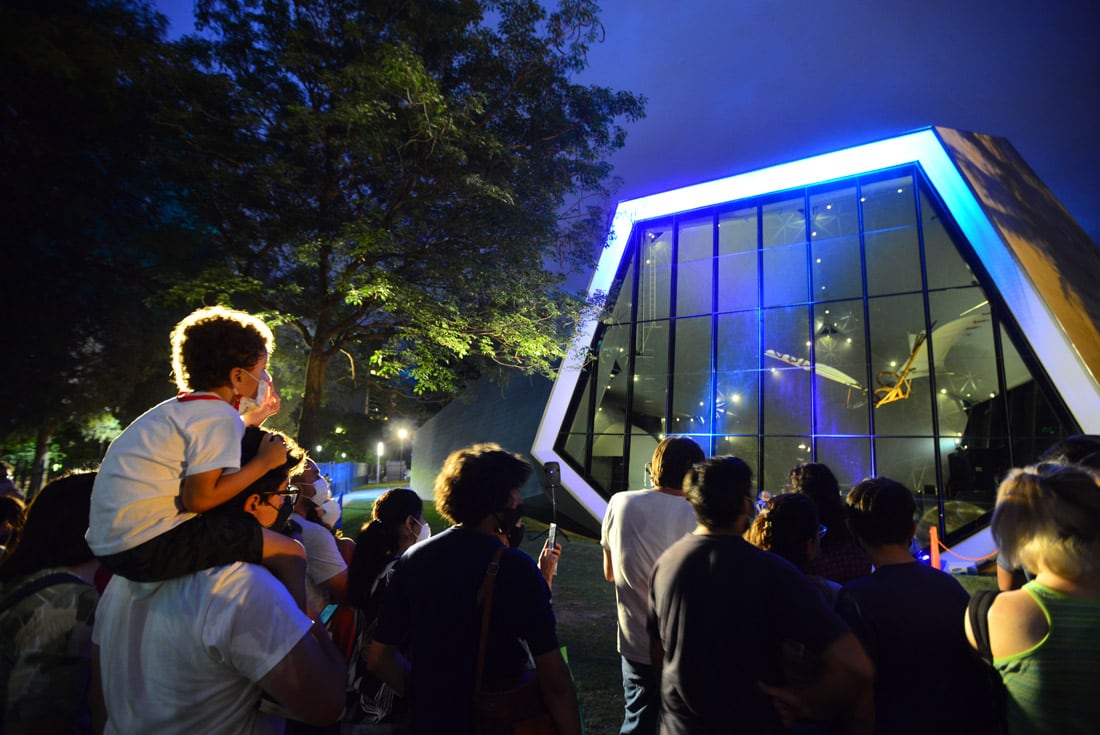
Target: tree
{"points": [[89, 221], [401, 183]]}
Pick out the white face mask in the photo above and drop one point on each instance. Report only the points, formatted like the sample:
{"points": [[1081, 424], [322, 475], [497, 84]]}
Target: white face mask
{"points": [[329, 512], [262, 389], [424, 534], [320, 491]]}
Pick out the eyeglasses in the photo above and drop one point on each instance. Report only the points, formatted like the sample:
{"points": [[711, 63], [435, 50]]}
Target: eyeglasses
{"points": [[291, 492]]}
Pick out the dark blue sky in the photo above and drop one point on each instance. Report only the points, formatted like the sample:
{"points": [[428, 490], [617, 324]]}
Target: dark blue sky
{"points": [[735, 85]]}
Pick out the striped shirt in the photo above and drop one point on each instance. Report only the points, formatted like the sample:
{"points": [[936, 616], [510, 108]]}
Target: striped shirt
{"points": [[1053, 686]]}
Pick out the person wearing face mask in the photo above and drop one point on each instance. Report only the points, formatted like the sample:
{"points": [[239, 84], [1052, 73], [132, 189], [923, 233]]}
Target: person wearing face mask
{"points": [[326, 569], [397, 522], [162, 475], [207, 644], [426, 645]]}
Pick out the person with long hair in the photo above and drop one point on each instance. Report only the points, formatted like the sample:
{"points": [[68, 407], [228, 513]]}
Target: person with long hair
{"points": [[1045, 636], [47, 603], [841, 558], [397, 522], [788, 526]]}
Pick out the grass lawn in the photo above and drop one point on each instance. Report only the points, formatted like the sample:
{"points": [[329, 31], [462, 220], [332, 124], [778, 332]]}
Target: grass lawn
{"points": [[584, 604]]}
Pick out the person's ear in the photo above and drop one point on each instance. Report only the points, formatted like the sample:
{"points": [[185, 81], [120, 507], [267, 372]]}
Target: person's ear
{"points": [[252, 503]]}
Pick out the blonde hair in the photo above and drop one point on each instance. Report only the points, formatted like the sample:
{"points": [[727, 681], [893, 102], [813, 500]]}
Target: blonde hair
{"points": [[209, 342], [1050, 516]]}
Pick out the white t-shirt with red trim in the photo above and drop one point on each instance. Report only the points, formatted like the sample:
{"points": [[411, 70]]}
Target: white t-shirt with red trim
{"points": [[136, 495]]}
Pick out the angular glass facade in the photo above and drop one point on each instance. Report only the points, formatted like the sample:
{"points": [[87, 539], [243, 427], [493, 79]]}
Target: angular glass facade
{"points": [[852, 322], [840, 324]]}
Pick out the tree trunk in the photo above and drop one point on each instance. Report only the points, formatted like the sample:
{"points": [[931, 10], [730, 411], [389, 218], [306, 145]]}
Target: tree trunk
{"points": [[40, 467], [309, 430]]}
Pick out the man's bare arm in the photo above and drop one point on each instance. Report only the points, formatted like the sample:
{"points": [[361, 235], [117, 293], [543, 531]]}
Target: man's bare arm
{"points": [[608, 570], [388, 664], [557, 691], [309, 681]]}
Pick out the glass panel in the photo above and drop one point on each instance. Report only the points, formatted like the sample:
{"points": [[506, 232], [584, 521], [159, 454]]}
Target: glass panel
{"points": [[694, 274], [899, 361], [780, 455], [888, 203], [890, 239], [655, 274], [965, 360], [942, 262], [691, 393], [620, 310], [737, 231], [971, 474], [785, 275], [738, 386], [784, 232], [745, 447], [641, 452], [612, 377], [607, 462], [738, 341], [834, 245], [849, 459], [840, 370], [738, 285], [651, 377], [582, 419], [912, 462], [787, 386], [1034, 421], [736, 402], [893, 261]]}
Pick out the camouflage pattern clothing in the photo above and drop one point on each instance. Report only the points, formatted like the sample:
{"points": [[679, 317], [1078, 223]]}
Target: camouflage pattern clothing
{"points": [[46, 650]]}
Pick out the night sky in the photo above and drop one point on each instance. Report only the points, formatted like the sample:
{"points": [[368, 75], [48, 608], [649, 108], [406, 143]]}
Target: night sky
{"points": [[736, 85]]}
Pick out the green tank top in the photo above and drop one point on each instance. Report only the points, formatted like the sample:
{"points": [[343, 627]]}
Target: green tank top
{"points": [[1054, 687]]}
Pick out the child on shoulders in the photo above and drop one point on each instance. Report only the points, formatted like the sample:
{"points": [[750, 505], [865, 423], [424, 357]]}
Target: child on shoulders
{"points": [[182, 458]]}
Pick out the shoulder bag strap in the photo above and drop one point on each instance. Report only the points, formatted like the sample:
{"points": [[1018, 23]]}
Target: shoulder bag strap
{"points": [[978, 612], [37, 585], [485, 597]]}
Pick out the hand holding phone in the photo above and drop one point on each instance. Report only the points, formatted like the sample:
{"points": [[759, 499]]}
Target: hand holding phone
{"points": [[552, 535]]}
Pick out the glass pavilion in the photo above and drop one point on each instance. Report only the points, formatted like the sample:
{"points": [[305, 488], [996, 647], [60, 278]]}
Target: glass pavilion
{"points": [[920, 308]]}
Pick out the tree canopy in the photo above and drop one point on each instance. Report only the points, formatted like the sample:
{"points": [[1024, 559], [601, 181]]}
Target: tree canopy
{"points": [[401, 188], [406, 183]]}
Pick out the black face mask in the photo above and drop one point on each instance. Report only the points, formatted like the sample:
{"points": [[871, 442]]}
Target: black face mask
{"points": [[508, 519], [284, 515]]}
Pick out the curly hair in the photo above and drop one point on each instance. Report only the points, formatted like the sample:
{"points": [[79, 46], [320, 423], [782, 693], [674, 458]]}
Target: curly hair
{"points": [[1050, 518], [209, 342], [787, 522], [477, 480]]}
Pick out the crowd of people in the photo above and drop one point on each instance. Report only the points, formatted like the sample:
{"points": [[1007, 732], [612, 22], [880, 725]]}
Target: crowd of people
{"points": [[808, 611], [195, 583]]}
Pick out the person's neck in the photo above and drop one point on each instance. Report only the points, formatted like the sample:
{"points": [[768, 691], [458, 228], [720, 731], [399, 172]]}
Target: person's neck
{"points": [[670, 491], [1086, 587], [736, 529], [889, 554]]}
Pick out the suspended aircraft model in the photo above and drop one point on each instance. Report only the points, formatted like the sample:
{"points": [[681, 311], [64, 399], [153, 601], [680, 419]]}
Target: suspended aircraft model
{"points": [[897, 385]]}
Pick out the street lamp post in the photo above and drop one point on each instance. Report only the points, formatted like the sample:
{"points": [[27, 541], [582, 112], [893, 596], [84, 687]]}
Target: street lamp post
{"points": [[378, 470], [402, 434]]}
